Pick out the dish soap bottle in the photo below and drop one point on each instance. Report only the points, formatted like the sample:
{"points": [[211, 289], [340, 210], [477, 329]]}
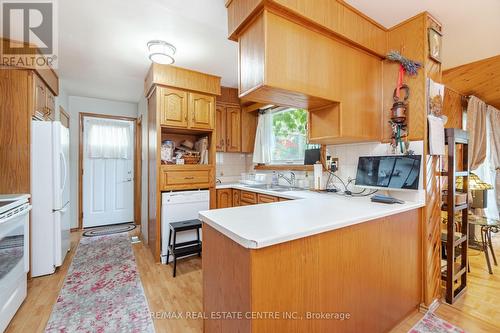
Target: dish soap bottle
{"points": [[274, 181]]}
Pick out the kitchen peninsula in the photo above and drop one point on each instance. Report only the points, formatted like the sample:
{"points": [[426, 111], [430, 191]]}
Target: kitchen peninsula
{"points": [[321, 254]]}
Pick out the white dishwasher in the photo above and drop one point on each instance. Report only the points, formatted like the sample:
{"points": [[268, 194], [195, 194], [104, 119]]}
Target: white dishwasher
{"points": [[180, 206]]}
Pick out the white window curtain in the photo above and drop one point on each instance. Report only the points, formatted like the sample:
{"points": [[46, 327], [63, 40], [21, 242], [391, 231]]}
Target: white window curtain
{"points": [[262, 148], [486, 171], [109, 139]]}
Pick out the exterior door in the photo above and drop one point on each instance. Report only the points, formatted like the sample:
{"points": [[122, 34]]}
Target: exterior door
{"points": [[233, 129], [220, 128], [174, 107], [201, 111], [108, 183]]}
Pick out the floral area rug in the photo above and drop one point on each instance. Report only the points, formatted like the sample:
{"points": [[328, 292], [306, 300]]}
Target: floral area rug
{"points": [[430, 323], [102, 291]]}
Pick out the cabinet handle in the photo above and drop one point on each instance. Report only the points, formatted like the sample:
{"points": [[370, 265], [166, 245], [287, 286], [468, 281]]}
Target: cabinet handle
{"points": [[222, 142], [188, 178], [228, 142]]}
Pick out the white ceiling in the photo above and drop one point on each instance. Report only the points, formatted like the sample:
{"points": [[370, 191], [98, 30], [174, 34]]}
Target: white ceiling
{"points": [[471, 29], [102, 46]]}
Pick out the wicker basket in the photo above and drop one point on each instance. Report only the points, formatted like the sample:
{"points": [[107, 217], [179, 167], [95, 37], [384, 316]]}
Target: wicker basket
{"points": [[191, 159]]}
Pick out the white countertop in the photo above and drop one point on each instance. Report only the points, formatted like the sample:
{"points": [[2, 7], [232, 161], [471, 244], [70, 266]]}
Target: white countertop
{"points": [[312, 213]]}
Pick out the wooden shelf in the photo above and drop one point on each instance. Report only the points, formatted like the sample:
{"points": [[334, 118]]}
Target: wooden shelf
{"points": [[456, 208], [456, 252], [457, 173]]}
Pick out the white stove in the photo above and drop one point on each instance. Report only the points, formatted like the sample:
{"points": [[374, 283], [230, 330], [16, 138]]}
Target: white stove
{"points": [[14, 254]]}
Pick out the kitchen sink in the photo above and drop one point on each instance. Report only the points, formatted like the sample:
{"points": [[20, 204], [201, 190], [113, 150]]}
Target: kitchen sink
{"points": [[276, 188]]}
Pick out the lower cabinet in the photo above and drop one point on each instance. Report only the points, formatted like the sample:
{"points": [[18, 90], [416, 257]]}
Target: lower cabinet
{"points": [[225, 198], [235, 198]]}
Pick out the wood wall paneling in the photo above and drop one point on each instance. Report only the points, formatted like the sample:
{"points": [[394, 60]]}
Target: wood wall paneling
{"points": [[478, 78], [432, 213], [410, 39]]}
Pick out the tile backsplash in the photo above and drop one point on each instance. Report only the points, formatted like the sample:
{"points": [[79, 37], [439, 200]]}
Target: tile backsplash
{"points": [[230, 165], [348, 155]]}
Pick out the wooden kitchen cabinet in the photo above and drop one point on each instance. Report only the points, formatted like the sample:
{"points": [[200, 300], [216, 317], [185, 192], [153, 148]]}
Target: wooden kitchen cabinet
{"points": [[220, 125], [184, 109], [236, 198], [201, 110], [247, 197], [174, 107], [263, 198], [44, 104], [233, 130], [189, 176], [225, 198]]}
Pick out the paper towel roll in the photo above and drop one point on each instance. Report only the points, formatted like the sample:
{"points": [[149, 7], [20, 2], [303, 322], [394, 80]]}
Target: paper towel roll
{"points": [[318, 176]]}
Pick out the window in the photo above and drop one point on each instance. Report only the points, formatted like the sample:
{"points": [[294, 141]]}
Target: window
{"points": [[289, 136]]}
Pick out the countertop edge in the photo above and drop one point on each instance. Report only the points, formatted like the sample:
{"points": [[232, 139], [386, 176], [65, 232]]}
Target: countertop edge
{"points": [[253, 244]]}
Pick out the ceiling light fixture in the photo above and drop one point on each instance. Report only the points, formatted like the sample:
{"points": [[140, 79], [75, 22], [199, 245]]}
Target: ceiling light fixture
{"points": [[161, 52]]}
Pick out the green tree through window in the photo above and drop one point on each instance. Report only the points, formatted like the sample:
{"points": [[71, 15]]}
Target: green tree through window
{"points": [[289, 137]]}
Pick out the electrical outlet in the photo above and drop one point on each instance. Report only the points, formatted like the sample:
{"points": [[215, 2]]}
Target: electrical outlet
{"points": [[334, 166]]}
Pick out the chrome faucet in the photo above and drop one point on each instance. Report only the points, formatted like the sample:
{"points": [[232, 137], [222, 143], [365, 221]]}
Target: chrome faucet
{"points": [[290, 180]]}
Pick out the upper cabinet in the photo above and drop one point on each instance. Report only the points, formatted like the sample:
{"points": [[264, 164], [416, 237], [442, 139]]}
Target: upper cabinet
{"points": [[182, 109], [220, 126], [201, 110], [235, 127], [43, 100], [287, 63], [174, 107]]}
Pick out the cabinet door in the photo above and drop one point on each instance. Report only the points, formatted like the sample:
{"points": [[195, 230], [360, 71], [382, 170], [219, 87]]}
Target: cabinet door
{"points": [[220, 128], [233, 129], [40, 98], [51, 105], [173, 106], [236, 198], [224, 198], [201, 111]]}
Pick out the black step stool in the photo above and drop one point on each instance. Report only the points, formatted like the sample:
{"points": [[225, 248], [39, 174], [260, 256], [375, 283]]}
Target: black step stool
{"points": [[186, 248]]}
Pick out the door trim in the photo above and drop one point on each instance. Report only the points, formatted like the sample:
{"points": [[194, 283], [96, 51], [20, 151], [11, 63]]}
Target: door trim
{"points": [[137, 180]]}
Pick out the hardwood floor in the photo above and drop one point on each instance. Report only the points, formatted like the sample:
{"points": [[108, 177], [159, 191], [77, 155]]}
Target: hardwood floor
{"points": [[164, 293], [477, 311]]}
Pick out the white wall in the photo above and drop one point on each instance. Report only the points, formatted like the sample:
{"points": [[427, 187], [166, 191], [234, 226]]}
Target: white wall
{"points": [[61, 100], [77, 105], [143, 111]]}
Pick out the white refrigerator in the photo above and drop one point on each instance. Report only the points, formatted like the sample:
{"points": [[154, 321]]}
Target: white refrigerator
{"points": [[50, 216]]}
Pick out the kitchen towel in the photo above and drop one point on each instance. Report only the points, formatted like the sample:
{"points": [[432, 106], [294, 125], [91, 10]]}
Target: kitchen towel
{"points": [[436, 135]]}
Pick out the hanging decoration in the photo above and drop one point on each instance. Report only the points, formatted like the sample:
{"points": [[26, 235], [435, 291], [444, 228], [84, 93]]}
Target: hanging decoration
{"points": [[400, 106]]}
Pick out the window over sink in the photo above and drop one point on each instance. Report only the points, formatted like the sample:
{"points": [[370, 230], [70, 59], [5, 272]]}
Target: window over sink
{"points": [[288, 137]]}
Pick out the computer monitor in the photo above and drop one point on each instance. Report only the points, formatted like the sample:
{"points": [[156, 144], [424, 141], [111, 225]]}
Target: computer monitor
{"points": [[389, 172]]}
